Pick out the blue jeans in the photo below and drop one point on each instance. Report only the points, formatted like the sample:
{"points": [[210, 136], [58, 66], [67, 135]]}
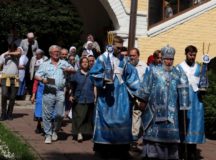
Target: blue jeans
{"points": [[53, 106]]}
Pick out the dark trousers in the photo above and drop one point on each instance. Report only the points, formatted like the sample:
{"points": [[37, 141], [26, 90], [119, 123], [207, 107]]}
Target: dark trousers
{"points": [[118, 151], [189, 150], [29, 82], [8, 93]]}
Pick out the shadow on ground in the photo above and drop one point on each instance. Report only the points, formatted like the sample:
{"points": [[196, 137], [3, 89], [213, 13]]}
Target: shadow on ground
{"points": [[199, 154], [85, 156], [19, 115]]}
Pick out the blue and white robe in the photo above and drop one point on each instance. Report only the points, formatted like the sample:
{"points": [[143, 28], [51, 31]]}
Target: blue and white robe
{"points": [[166, 92], [113, 119], [195, 115]]}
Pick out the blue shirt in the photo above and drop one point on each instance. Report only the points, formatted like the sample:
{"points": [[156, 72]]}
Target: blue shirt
{"points": [[83, 87], [48, 70]]}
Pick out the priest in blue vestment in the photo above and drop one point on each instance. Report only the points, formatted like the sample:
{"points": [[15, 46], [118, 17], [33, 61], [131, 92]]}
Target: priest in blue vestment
{"points": [[116, 81], [163, 93], [194, 124]]}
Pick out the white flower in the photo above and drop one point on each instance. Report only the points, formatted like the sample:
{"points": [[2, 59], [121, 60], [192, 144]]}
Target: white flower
{"points": [[5, 152]]}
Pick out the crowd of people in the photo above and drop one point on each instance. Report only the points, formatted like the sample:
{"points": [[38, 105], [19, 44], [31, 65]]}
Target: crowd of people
{"points": [[112, 97]]}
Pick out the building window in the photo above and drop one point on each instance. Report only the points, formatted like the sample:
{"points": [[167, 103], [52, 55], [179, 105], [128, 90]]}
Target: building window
{"points": [[163, 10]]}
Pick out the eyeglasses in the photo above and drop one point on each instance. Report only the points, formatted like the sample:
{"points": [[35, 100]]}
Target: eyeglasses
{"points": [[192, 55], [169, 59], [119, 48], [56, 51]]}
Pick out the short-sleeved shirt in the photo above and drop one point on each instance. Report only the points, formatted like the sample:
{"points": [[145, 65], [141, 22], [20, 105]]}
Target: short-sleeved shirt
{"points": [[48, 70]]}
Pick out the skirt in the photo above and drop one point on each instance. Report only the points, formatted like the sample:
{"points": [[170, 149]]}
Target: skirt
{"points": [[82, 121]]}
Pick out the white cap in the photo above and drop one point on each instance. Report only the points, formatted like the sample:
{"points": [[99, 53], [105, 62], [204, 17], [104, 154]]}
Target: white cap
{"points": [[89, 42], [30, 35], [72, 47], [38, 51]]}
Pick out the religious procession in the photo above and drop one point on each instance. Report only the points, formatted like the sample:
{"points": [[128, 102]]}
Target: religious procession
{"points": [[110, 95]]}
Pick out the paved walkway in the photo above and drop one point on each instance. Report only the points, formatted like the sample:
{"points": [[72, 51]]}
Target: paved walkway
{"points": [[65, 148]]}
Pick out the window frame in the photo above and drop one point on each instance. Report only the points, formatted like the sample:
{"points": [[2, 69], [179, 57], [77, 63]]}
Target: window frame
{"points": [[174, 15]]}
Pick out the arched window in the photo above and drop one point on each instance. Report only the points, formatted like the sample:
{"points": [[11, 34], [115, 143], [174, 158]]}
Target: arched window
{"points": [[163, 10]]}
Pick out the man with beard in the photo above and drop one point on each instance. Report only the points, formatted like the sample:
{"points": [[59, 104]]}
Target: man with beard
{"points": [[195, 115], [116, 81], [140, 66], [164, 91]]}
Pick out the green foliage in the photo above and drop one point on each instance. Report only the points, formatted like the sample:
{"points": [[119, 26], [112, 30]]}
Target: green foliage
{"points": [[15, 145], [53, 21], [210, 104]]}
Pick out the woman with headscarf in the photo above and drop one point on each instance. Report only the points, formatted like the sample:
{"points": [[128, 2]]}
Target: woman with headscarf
{"points": [[37, 91]]}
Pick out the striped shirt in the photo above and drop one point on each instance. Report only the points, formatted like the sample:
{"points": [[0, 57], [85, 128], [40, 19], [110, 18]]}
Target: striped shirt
{"points": [[48, 70]]}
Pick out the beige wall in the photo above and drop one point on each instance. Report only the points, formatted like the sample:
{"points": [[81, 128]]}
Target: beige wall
{"points": [[196, 31], [142, 5]]}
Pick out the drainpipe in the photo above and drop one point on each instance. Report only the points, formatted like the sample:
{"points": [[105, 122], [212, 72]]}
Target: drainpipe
{"points": [[132, 27]]}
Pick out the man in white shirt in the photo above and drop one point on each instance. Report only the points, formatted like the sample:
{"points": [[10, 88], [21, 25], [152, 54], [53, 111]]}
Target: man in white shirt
{"points": [[140, 66], [29, 46]]}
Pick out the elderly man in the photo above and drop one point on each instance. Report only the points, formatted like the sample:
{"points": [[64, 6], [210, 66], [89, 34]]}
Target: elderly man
{"points": [[51, 73], [116, 80], [64, 54], [29, 46], [164, 88]]}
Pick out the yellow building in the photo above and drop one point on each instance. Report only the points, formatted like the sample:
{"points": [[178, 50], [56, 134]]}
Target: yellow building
{"points": [[192, 22]]}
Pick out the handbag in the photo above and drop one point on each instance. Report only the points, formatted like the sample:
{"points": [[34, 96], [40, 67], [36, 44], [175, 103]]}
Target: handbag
{"points": [[49, 90]]}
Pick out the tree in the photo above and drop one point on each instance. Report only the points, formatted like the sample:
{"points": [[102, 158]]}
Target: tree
{"points": [[53, 21], [210, 101]]}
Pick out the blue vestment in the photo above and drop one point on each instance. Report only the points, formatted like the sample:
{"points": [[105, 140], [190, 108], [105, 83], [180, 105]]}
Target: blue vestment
{"points": [[39, 98], [113, 119], [164, 91], [195, 115]]}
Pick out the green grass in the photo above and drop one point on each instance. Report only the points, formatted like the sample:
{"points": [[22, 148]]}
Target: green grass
{"points": [[16, 145]]}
